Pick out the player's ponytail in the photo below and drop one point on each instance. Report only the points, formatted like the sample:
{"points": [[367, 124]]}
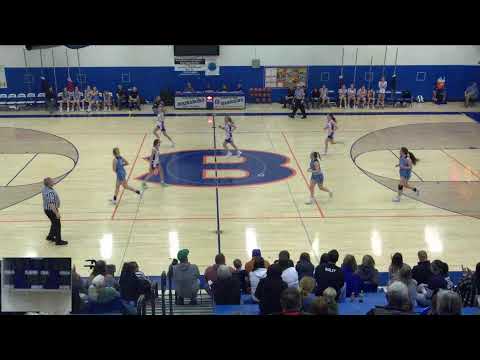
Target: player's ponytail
{"points": [[116, 151], [412, 157], [316, 155], [156, 142], [332, 117]]}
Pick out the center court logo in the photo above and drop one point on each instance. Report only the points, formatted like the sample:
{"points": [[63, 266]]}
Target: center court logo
{"points": [[197, 168]]}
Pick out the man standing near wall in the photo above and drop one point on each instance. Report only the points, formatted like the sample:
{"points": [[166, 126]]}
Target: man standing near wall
{"points": [[51, 204], [298, 101]]}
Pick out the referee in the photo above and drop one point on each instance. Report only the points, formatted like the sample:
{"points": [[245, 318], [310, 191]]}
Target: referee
{"points": [[298, 102], [51, 203]]}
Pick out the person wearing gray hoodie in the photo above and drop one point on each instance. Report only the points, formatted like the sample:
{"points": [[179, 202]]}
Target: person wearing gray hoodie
{"points": [[186, 278]]}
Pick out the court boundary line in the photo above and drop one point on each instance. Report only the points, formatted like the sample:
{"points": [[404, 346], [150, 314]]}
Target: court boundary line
{"points": [[23, 168], [301, 172], [128, 178], [459, 162]]}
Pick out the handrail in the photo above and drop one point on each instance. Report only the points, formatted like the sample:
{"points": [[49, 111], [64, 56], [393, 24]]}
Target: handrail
{"points": [[141, 305], [170, 293], [163, 286]]}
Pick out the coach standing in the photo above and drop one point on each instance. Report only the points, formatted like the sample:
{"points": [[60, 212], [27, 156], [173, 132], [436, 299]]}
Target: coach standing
{"points": [[51, 204], [298, 102]]}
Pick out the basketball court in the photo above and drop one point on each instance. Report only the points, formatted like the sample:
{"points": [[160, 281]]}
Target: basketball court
{"points": [[262, 194]]}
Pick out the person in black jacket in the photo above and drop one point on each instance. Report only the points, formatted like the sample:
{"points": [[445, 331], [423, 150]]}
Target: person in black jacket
{"points": [[226, 289], [329, 275], [288, 100], [304, 266], [50, 100], [269, 291], [129, 283], [422, 272]]}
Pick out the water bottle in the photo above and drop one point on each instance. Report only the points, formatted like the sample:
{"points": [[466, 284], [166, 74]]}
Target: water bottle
{"points": [[361, 296]]}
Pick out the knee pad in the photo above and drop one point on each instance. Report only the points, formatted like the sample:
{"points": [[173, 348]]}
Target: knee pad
{"points": [[400, 187]]}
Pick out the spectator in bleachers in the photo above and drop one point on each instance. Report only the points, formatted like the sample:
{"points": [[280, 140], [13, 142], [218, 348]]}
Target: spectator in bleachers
{"points": [[129, 284], [134, 99], [100, 293], [241, 275], [405, 276], [256, 253], [395, 266], [289, 274], [188, 87], [290, 301], [288, 99], [422, 272], [448, 303], [259, 272], [398, 301], [319, 307], [77, 97], [342, 96], [63, 99], [324, 95], [351, 93], [323, 259], [269, 290], [368, 274], [226, 289], [353, 284], [50, 100], [436, 282], [315, 97], [107, 100], [471, 94], [170, 268], [186, 277], [210, 273], [100, 268], [446, 275], [329, 275], [469, 286], [79, 292], [306, 287], [304, 266], [121, 97], [362, 96], [329, 294]]}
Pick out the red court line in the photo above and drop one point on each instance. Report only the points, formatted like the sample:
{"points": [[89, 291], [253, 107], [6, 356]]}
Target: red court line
{"points": [[458, 161], [129, 174], [301, 172]]}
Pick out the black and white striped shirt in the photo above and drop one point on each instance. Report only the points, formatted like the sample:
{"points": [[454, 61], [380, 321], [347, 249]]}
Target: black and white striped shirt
{"points": [[299, 94], [50, 198]]}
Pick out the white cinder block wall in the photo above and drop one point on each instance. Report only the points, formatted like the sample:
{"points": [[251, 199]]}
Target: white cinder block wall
{"points": [[235, 55]]}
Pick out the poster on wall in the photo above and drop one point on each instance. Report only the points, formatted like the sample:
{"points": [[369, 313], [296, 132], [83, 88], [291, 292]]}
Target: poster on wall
{"points": [[3, 78], [284, 77], [190, 63]]}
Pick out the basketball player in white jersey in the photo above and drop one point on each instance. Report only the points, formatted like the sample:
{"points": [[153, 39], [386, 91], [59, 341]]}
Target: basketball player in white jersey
{"points": [[160, 125], [331, 127], [382, 89], [351, 92], [362, 96], [155, 165], [342, 96], [229, 128]]}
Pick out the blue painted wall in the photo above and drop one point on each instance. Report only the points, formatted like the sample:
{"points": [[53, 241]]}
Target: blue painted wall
{"points": [[152, 80]]}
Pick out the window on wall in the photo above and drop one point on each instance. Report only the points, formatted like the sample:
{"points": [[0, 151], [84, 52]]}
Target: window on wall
{"points": [[126, 78], [325, 76], [421, 76]]}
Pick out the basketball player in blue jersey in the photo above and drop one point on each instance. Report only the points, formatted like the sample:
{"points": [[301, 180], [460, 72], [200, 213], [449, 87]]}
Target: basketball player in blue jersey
{"points": [[229, 128], [155, 165], [331, 127], [406, 162], [118, 166], [317, 177], [160, 126]]}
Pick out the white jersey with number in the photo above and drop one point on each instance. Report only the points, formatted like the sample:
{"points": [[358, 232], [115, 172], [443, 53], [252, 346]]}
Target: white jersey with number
{"points": [[155, 158]]}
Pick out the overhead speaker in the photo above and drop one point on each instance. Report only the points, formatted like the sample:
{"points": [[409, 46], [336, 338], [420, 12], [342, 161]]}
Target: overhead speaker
{"points": [[255, 63]]}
